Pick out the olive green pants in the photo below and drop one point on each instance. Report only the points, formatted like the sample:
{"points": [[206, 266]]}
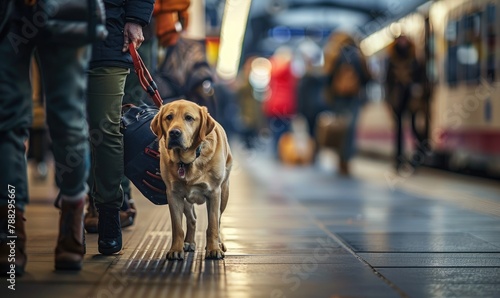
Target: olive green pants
{"points": [[104, 103]]}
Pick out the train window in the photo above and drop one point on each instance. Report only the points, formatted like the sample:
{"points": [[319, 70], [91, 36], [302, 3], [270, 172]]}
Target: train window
{"points": [[452, 45], [490, 42], [470, 48]]}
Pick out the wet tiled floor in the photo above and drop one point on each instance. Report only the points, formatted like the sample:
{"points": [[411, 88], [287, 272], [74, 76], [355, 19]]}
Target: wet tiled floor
{"points": [[295, 232]]}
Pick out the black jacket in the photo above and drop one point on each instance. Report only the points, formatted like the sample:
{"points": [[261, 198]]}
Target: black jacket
{"points": [[109, 52]]}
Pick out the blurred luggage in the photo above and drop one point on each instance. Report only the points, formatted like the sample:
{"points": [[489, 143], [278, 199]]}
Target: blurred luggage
{"points": [[297, 147], [331, 130]]}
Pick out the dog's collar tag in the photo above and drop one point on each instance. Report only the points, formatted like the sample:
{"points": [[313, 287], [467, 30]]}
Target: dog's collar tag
{"points": [[181, 171]]}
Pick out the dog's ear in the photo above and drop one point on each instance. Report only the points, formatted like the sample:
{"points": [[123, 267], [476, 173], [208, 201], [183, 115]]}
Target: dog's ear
{"points": [[207, 124], [156, 124]]}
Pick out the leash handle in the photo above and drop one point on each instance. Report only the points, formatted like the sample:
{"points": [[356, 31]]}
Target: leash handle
{"points": [[145, 79]]}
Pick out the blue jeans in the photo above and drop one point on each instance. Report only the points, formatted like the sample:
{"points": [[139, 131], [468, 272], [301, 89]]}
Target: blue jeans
{"points": [[63, 71]]}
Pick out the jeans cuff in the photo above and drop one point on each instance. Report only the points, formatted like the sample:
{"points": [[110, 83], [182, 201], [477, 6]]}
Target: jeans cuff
{"points": [[76, 197]]}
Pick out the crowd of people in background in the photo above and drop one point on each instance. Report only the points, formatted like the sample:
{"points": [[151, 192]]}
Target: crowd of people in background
{"points": [[326, 86]]}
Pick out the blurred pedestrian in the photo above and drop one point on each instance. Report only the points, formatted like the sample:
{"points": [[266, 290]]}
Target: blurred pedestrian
{"points": [[310, 87], [280, 104], [184, 71], [251, 116], [346, 78], [109, 66], [64, 57], [404, 89]]}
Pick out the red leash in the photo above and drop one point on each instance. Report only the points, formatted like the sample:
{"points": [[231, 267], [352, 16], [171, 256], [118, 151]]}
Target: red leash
{"points": [[147, 82]]}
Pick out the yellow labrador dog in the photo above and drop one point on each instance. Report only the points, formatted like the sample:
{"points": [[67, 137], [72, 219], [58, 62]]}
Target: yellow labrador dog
{"points": [[195, 161]]}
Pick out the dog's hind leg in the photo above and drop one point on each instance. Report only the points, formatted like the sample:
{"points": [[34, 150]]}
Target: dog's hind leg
{"points": [[189, 244]]}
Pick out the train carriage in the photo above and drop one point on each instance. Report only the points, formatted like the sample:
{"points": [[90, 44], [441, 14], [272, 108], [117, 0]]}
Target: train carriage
{"points": [[458, 40]]}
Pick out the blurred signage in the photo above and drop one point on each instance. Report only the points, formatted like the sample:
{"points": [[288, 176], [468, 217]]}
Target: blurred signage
{"points": [[212, 48]]}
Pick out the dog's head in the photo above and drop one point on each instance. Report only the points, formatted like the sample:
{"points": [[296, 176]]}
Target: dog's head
{"points": [[183, 124]]}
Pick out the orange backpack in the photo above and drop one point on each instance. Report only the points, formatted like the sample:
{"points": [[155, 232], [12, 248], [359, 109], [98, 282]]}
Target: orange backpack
{"points": [[345, 81]]}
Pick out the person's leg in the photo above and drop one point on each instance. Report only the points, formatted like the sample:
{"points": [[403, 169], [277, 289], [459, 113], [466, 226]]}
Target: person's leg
{"points": [[104, 101], [128, 210], [64, 76], [399, 139], [349, 147], [278, 126], [133, 95], [16, 117]]}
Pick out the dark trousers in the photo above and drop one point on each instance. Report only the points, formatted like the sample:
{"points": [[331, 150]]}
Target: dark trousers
{"points": [[63, 70], [400, 113]]}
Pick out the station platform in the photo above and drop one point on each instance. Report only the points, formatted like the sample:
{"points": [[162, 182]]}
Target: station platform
{"points": [[294, 232]]}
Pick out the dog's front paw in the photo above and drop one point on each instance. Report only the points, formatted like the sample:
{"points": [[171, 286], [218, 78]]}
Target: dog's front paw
{"points": [[175, 255], [216, 254], [189, 246]]}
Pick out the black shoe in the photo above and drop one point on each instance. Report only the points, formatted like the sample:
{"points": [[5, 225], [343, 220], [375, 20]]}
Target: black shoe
{"points": [[109, 229]]}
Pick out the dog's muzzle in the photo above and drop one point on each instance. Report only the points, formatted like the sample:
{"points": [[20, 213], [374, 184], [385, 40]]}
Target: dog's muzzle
{"points": [[175, 139]]}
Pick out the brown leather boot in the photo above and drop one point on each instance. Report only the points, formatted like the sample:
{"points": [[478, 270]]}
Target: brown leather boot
{"points": [[70, 244], [91, 219], [127, 212], [344, 168], [12, 242]]}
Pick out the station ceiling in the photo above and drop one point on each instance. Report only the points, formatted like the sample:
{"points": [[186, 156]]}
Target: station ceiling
{"points": [[275, 22]]}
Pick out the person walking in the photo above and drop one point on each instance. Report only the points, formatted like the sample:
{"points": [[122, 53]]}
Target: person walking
{"points": [[109, 66], [403, 83], [63, 69], [347, 75]]}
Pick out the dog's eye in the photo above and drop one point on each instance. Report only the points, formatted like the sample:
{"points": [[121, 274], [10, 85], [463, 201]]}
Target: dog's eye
{"points": [[189, 118], [169, 117]]}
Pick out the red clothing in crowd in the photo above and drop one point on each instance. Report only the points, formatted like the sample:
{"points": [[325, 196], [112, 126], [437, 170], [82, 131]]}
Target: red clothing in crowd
{"points": [[281, 100]]}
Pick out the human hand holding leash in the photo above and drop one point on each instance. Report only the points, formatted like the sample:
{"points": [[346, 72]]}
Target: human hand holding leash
{"points": [[132, 33]]}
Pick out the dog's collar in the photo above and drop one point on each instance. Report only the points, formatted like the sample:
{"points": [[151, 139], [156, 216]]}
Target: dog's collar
{"points": [[181, 170]]}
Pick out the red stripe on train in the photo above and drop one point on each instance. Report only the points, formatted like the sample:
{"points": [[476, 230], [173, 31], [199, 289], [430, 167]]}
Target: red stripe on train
{"points": [[480, 141]]}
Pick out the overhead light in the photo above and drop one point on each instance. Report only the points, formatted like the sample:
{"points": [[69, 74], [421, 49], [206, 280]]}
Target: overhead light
{"points": [[411, 25], [234, 22], [376, 42]]}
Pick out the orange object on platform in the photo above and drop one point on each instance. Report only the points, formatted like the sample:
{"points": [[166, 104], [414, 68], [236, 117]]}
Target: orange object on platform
{"points": [[171, 18]]}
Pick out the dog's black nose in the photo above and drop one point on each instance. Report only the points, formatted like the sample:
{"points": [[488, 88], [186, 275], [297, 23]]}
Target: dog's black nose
{"points": [[174, 133]]}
